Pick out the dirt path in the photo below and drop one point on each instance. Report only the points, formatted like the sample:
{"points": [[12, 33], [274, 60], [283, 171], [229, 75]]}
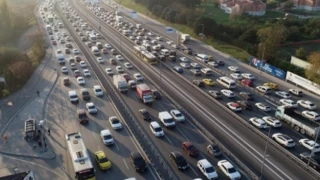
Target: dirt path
{"points": [[25, 43]]}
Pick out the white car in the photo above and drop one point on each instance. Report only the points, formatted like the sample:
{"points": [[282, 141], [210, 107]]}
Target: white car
{"points": [[83, 64], [86, 73], [263, 107], [156, 129], [195, 65], [283, 94], [119, 58], [106, 137], [311, 115], [228, 169], [288, 102], [307, 104], [64, 70], [184, 59], [100, 60], [91, 108], [128, 65], [81, 81], [109, 71], [115, 122], [76, 51], [234, 69], [228, 93], [169, 42], [185, 65], [236, 76], [97, 90], [159, 38], [213, 64], [154, 41], [272, 121], [310, 144], [177, 115], [138, 77], [108, 46], [283, 140], [259, 123], [207, 169], [176, 46], [234, 106], [119, 69], [247, 76]]}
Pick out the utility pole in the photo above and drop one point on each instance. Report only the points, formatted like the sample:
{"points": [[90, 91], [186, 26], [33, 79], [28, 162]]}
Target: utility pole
{"points": [[265, 154]]}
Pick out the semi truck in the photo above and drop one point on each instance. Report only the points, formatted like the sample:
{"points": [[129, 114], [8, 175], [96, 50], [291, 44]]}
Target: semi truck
{"points": [[144, 93], [119, 19], [294, 118], [120, 82], [185, 38]]}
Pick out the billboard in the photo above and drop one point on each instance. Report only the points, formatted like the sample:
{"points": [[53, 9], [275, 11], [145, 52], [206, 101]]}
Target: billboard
{"points": [[300, 63], [268, 68], [303, 82]]}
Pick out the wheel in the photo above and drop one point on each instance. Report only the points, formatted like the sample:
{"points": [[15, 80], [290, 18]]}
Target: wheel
{"points": [[297, 128], [303, 131], [293, 125]]}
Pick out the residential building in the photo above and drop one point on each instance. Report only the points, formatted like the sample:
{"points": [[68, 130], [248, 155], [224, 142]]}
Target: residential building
{"points": [[308, 5], [238, 7]]}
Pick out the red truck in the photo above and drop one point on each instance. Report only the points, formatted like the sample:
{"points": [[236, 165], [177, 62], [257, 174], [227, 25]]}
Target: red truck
{"points": [[144, 93]]}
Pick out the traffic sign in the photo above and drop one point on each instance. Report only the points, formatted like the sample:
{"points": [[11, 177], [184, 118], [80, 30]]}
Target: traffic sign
{"points": [[170, 30], [134, 14]]}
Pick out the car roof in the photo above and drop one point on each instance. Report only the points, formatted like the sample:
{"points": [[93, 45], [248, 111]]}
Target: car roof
{"points": [[100, 154], [176, 154], [175, 111], [187, 143], [105, 132], [205, 163], [154, 124], [227, 164]]}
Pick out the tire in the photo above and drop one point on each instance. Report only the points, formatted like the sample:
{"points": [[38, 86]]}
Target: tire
{"points": [[297, 128], [303, 131]]}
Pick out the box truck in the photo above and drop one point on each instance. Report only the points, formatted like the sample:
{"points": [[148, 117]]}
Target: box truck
{"points": [[144, 93]]}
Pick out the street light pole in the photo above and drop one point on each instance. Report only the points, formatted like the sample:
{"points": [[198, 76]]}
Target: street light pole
{"points": [[265, 154]]}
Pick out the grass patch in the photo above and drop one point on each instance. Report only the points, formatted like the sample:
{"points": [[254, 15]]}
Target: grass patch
{"points": [[234, 51]]}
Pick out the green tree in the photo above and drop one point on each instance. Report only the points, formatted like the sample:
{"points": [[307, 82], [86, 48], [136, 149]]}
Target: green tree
{"points": [[313, 71], [301, 53], [288, 5]]}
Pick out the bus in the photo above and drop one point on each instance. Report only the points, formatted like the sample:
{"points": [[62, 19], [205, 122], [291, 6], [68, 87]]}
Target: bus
{"points": [[82, 164], [145, 55], [227, 82]]}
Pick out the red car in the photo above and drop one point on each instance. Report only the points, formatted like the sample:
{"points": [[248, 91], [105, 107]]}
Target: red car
{"points": [[126, 76], [247, 82], [77, 73], [190, 148], [54, 42]]}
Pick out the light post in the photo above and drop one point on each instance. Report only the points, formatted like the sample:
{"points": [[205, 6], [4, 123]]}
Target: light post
{"points": [[265, 154]]}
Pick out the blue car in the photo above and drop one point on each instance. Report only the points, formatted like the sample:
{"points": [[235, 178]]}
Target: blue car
{"points": [[178, 69]]}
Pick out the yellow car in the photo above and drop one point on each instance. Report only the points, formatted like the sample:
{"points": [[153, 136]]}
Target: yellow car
{"points": [[210, 58], [102, 160], [273, 86], [208, 82]]}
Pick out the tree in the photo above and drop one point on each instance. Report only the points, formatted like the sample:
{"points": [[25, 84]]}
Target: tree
{"points": [[288, 5], [313, 71], [301, 53]]}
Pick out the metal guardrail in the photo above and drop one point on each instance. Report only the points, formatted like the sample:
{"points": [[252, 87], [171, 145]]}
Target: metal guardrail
{"points": [[125, 111]]}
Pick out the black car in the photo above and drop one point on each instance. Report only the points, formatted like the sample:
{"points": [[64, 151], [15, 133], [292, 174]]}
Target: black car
{"points": [[198, 83], [314, 162], [214, 150], [138, 162], [247, 96], [178, 160], [245, 105], [221, 63], [215, 94], [156, 94], [145, 114]]}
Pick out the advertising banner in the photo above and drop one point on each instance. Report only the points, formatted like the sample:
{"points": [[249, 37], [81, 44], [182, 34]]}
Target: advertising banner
{"points": [[303, 82], [268, 68]]}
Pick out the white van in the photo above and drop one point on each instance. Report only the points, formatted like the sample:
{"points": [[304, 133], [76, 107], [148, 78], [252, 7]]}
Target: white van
{"points": [[207, 71], [106, 137], [226, 82], [97, 90], [165, 52], [132, 84], [73, 97], [264, 89], [95, 50], [166, 119], [202, 57]]}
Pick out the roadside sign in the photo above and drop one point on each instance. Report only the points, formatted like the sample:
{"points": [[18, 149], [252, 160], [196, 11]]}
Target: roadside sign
{"points": [[170, 30], [134, 14]]}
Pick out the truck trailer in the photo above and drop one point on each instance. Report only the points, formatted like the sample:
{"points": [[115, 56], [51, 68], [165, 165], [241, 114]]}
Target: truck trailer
{"points": [[120, 82], [294, 118], [144, 93], [185, 38]]}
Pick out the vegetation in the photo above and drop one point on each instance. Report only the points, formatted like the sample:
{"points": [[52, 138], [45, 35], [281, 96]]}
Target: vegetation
{"points": [[313, 72]]}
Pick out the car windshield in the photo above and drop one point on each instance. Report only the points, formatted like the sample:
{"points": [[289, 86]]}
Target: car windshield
{"points": [[209, 170], [192, 148], [168, 120], [107, 137], [146, 113], [98, 90], [138, 160], [178, 114], [180, 159], [158, 129], [103, 160], [91, 107], [232, 170], [115, 121]]}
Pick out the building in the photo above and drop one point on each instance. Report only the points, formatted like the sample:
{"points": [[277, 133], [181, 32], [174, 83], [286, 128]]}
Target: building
{"points": [[238, 7], [308, 5]]}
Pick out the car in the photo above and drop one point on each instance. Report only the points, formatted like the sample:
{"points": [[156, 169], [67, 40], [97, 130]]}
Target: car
{"points": [[92, 109], [272, 121], [106, 137], [247, 96], [196, 72], [264, 89], [77, 73], [98, 90], [138, 162], [190, 148], [313, 162], [271, 85], [234, 106], [245, 105], [215, 94], [311, 115], [128, 65], [67, 51], [108, 46], [220, 62], [126, 76], [247, 82], [115, 122], [296, 92], [234, 69], [184, 59], [228, 93], [198, 83], [177, 115], [213, 64], [120, 69], [284, 140], [81, 81], [109, 71], [307, 104], [76, 51], [62, 41], [178, 160], [83, 64], [248, 76], [208, 82], [104, 51], [66, 81], [214, 150], [206, 168], [138, 77], [54, 42], [195, 65], [86, 73], [258, 122], [103, 162], [159, 38], [263, 107], [64, 70], [169, 42], [236, 76], [119, 58], [156, 129], [78, 58], [89, 44], [145, 114], [185, 65], [100, 60], [156, 94], [288, 102], [178, 69], [283, 94], [69, 46], [310, 144], [228, 169]]}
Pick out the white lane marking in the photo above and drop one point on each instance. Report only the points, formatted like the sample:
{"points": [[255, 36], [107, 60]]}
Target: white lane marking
{"points": [[182, 133], [117, 146], [124, 161], [272, 103], [94, 135], [99, 147], [194, 171], [168, 139]]}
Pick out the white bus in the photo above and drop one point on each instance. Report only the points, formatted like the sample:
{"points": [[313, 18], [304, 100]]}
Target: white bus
{"points": [[82, 164], [95, 50], [202, 57], [92, 38], [226, 82]]}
